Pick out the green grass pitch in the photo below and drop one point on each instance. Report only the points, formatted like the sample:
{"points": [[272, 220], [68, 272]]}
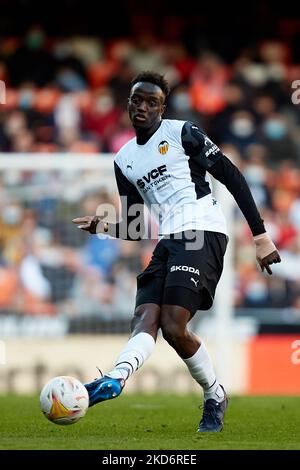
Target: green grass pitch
{"points": [[158, 421]]}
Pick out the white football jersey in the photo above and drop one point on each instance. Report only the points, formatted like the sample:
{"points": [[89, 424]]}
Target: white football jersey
{"points": [[175, 187]]}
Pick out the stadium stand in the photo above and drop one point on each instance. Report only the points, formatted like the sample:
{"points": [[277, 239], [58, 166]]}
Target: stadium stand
{"points": [[68, 95]]}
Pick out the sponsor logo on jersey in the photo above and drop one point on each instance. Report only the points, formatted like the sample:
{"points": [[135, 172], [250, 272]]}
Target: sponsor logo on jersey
{"points": [[188, 269], [207, 141], [151, 175], [212, 148], [163, 147]]}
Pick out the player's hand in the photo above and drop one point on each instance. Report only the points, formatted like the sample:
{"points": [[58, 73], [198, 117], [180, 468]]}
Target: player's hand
{"points": [[87, 223], [266, 252], [273, 257]]}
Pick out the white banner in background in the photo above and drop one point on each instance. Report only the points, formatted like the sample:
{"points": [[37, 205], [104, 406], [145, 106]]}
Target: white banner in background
{"points": [[32, 362], [2, 353]]}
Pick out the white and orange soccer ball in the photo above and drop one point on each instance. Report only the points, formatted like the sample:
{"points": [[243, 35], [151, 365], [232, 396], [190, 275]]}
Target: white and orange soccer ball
{"points": [[64, 400]]}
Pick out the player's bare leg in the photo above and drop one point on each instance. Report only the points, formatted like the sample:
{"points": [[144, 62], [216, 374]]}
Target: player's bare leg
{"points": [[144, 327], [146, 319], [188, 346]]}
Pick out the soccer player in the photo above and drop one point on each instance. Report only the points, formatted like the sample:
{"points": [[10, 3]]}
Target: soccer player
{"points": [[166, 166]]}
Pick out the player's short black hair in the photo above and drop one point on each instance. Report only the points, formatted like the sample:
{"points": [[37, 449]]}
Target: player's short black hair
{"points": [[152, 77]]}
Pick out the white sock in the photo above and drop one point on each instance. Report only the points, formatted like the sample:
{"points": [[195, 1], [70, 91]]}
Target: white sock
{"points": [[201, 369], [133, 356]]}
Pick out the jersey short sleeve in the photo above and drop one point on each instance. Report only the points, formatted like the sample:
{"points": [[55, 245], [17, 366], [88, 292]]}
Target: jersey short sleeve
{"points": [[198, 146]]}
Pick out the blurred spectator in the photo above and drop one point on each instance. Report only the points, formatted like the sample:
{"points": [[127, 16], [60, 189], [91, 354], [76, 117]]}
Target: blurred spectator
{"points": [[122, 134], [208, 80], [256, 292], [100, 252], [104, 115], [264, 105], [32, 277], [66, 114], [69, 94], [180, 106], [31, 61], [235, 99], [119, 83], [241, 131], [146, 55], [256, 174], [70, 72], [277, 140]]}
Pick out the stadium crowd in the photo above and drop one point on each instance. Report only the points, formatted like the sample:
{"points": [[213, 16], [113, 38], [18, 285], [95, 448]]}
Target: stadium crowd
{"points": [[69, 96]]}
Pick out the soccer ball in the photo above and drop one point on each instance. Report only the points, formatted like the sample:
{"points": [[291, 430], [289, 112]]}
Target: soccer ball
{"points": [[64, 400]]}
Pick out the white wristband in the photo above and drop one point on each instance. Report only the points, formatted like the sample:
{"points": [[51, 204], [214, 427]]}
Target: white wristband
{"points": [[264, 245]]}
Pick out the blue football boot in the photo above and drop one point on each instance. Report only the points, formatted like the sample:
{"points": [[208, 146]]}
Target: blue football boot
{"points": [[103, 389], [213, 415]]}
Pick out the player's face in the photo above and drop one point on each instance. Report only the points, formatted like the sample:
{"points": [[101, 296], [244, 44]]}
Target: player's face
{"points": [[145, 105]]}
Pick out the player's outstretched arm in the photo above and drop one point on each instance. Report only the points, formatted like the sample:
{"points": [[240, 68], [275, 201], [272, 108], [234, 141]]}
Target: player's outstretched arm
{"points": [[91, 224], [132, 224], [130, 228]]}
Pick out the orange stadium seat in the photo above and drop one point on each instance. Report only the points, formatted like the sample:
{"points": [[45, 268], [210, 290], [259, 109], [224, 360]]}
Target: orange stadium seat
{"points": [[81, 146], [119, 49], [282, 200], [207, 98], [8, 287], [289, 179], [100, 72], [12, 98], [32, 305]]}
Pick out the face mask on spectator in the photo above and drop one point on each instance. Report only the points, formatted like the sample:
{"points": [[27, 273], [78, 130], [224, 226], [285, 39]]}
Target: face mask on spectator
{"points": [[254, 174], [70, 81], [275, 129], [11, 215], [242, 127], [181, 102], [62, 50], [26, 98], [257, 291], [35, 40]]}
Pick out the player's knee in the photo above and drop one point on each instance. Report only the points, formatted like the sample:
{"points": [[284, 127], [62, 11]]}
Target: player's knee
{"points": [[173, 324], [146, 318], [172, 330], [172, 333]]}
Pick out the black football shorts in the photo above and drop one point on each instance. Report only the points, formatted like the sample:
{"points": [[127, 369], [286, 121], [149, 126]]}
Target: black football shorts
{"points": [[184, 270]]}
